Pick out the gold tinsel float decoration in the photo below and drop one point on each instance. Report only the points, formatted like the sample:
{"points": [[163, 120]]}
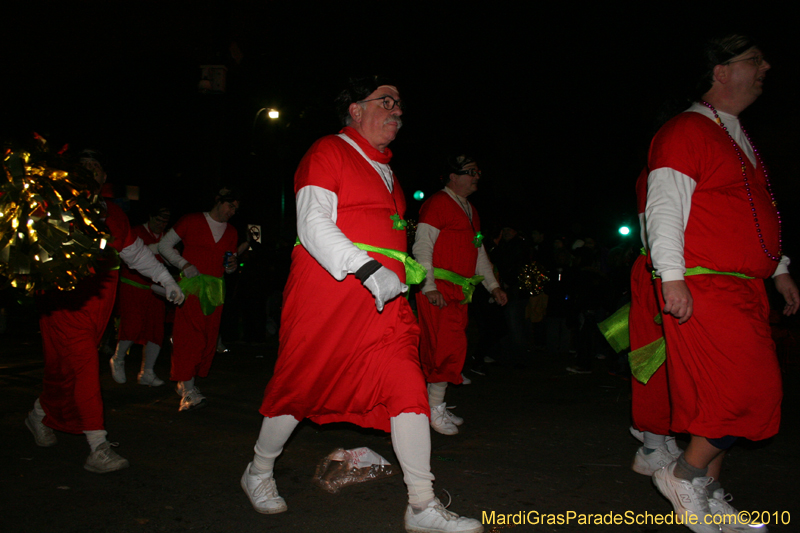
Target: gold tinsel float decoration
{"points": [[51, 236], [532, 278]]}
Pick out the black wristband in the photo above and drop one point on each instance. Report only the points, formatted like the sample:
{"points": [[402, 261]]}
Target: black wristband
{"points": [[368, 269]]}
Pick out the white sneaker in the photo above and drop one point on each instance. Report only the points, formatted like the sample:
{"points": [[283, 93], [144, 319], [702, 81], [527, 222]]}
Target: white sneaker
{"points": [[104, 460], [670, 442], [440, 422], [436, 519], [687, 498], [262, 492], [718, 503], [646, 464], [148, 377], [192, 399], [117, 369], [43, 435], [456, 420]]}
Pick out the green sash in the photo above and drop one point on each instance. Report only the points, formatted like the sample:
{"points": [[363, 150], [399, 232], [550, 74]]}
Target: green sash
{"points": [[208, 289], [415, 273], [467, 284], [134, 284], [646, 360]]}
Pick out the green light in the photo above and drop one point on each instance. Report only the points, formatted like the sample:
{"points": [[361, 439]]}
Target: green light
{"points": [[624, 230], [419, 195]]}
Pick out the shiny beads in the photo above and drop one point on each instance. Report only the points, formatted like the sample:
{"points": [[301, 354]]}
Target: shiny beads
{"points": [[747, 185]]}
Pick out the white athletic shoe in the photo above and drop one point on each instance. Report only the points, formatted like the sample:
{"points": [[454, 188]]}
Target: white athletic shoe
{"points": [[687, 498], [191, 399], [718, 503], [43, 435], [456, 420], [440, 422], [672, 446], [117, 369], [104, 460], [646, 464], [436, 519], [149, 378], [262, 492]]}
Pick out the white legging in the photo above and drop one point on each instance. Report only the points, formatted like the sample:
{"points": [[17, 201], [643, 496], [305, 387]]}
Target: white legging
{"points": [[411, 440]]}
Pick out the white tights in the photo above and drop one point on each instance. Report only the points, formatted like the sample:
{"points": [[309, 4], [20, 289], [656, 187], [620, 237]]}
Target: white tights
{"points": [[411, 440]]}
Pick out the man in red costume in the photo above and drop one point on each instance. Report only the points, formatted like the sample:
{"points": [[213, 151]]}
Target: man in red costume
{"points": [[348, 345], [72, 324], [449, 245], [714, 235], [209, 251], [141, 310]]}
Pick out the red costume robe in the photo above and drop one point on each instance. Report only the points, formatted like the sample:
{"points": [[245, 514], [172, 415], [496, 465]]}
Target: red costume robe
{"points": [[340, 360], [141, 311], [443, 346], [723, 373], [195, 334], [72, 324], [650, 403]]}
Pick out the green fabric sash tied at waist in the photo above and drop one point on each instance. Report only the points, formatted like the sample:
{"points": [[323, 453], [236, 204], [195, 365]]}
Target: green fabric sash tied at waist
{"points": [[646, 360], [134, 283], [415, 273], [208, 289], [467, 284]]}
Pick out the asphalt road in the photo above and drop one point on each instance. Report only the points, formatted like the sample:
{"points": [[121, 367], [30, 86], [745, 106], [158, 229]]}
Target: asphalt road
{"points": [[535, 440]]}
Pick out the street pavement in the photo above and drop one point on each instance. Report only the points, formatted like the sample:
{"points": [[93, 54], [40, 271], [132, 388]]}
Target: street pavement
{"points": [[536, 441]]}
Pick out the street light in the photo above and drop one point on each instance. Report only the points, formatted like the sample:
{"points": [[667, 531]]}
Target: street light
{"points": [[272, 113]]}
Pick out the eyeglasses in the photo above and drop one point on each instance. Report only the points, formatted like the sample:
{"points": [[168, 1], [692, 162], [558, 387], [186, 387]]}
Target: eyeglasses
{"points": [[388, 102], [758, 60], [472, 172]]}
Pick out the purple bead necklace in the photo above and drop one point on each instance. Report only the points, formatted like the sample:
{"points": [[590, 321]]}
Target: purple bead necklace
{"points": [[747, 184]]}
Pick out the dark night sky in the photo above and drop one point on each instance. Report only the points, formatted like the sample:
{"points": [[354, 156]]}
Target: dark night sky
{"points": [[558, 105]]}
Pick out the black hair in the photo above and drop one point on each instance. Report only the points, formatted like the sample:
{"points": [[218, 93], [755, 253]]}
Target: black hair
{"points": [[227, 194], [455, 164], [358, 88], [718, 51]]}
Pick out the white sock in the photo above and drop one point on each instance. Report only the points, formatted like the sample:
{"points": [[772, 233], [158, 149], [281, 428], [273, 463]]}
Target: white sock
{"points": [[38, 412], [275, 431], [188, 385], [122, 349], [653, 440], [151, 351], [436, 393], [95, 437], [411, 440]]}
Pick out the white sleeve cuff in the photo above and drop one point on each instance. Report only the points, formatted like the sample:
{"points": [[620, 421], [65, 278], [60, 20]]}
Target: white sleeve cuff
{"points": [[783, 266]]}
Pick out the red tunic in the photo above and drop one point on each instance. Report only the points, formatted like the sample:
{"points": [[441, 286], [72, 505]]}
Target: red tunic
{"points": [[141, 311], [195, 334], [723, 373], [443, 344], [340, 360], [650, 403], [72, 324]]}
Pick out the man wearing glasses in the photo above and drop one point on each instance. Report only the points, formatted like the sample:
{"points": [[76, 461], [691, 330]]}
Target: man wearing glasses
{"points": [[348, 345], [714, 233], [449, 245]]}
